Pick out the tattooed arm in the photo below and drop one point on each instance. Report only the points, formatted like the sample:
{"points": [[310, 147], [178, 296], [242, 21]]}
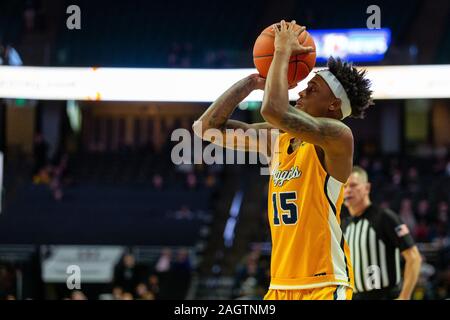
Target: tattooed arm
{"points": [[232, 133], [333, 137]]}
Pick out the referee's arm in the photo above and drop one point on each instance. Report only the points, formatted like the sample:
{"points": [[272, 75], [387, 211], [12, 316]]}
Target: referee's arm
{"points": [[413, 261], [399, 234]]}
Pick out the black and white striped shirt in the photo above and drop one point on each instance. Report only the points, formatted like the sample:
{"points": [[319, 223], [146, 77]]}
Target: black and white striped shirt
{"points": [[376, 238]]}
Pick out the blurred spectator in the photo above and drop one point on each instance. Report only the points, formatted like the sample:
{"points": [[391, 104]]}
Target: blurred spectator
{"points": [[157, 181], [117, 293], [250, 290], [42, 176], [182, 262], [9, 56], [423, 209], [447, 169], [442, 225], [181, 273], [29, 16], [442, 213], [40, 150], [149, 296], [141, 291], [174, 55], [164, 262], [55, 184], [210, 181], [2, 53], [384, 204], [180, 56], [7, 280], [424, 290], [184, 213], [407, 214], [364, 163], [127, 273], [250, 277], [77, 295], [413, 180], [187, 56], [421, 233], [59, 174], [397, 178], [191, 181], [216, 268], [217, 59], [163, 268], [153, 285], [127, 296]]}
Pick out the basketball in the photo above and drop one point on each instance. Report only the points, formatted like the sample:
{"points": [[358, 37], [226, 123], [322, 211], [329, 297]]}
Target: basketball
{"points": [[299, 65]]}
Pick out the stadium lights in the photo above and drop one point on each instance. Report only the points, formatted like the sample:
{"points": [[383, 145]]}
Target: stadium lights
{"points": [[195, 85]]}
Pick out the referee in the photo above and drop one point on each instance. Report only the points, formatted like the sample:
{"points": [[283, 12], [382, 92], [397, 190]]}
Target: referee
{"points": [[376, 238]]}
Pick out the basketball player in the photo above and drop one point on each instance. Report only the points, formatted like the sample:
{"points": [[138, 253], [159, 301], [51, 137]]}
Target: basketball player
{"points": [[310, 258]]}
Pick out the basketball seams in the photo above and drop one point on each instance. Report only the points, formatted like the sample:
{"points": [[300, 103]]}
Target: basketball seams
{"points": [[307, 66], [296, 61], [263, 56], [304, 38]]}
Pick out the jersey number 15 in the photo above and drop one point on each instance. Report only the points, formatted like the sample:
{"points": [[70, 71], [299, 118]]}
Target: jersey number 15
{"points": [[288, 206]]}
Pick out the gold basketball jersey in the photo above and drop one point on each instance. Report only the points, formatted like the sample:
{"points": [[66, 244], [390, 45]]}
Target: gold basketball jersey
{"points": [[304, 205]]}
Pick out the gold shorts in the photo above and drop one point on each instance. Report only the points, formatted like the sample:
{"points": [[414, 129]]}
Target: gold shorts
{"points": [[325, 293]]}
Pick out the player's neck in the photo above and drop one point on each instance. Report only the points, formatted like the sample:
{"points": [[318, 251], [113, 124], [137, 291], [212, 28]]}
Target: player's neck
{"points": [[360, 208]]}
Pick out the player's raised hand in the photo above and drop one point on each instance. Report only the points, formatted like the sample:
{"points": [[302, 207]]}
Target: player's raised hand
{"points": [[286, 38]]}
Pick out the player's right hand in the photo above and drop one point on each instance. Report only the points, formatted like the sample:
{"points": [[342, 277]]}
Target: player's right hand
{"points": [[286, 38]]}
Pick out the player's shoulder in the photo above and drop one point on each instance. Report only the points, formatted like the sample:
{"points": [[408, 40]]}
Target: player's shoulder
{"points": [[346, 136], [338, 140], [346, 132], [338, 125]]}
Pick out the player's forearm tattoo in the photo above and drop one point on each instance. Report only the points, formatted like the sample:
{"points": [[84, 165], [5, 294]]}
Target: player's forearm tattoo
{"points": [[302, 122], [295, 123], [218, 120], [224, 106]]}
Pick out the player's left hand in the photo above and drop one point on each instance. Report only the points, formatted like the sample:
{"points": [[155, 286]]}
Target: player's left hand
{"points": [[258, 81], [286, 38]]}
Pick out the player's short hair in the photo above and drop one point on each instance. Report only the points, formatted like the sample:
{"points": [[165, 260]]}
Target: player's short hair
{"points": [[355, 84], [362, 173]]}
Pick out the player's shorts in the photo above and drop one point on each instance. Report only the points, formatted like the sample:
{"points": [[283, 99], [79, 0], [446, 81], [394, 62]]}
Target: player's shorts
{"points": [[324, 293]]}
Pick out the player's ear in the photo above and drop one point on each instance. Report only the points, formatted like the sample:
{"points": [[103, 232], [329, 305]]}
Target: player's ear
{"points": [[335, 105]]}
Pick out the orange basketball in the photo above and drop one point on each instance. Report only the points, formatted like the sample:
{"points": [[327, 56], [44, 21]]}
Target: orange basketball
{"points": [[299, 65]]}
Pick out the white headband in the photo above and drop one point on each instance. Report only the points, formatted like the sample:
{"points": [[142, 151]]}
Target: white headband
{"points": [[338, 91]]}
